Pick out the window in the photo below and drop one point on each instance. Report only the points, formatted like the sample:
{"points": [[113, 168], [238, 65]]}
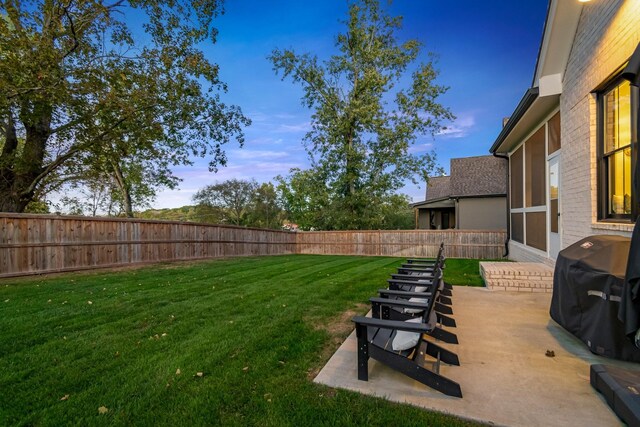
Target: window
{"points": [[615, 115]]}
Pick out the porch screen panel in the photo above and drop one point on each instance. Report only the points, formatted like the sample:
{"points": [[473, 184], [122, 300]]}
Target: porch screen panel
{"points": [[537, 230], [535, 169], [517, 227], [554, 134], [516, 179]]}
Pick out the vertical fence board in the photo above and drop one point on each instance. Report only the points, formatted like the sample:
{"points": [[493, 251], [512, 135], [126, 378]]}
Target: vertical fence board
{"points": [[34, 244], [478, 244]]}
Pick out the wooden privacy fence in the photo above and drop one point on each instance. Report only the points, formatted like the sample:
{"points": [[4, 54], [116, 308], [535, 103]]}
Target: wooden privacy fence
{"points": [[405, 243], [34, 244]]}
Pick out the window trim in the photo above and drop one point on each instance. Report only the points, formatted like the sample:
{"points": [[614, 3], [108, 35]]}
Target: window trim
{"points": [[602, 176]]}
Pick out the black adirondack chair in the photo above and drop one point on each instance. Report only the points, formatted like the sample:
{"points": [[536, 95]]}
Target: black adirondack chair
{"points": [[375, 338], [398, 309], [439, 309]]}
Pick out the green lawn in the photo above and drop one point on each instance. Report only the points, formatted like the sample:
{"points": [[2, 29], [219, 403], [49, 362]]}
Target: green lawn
{"points": [[257, 329]]}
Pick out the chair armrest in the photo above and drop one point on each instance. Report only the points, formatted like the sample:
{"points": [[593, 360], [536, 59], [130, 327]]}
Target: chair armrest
{"points": [[410, 282], [418, 270], [407, 294], [404, 303], [392, 324], [413, 278]]}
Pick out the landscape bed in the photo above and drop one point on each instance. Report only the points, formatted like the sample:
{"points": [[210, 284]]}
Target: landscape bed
{"points": [[232, 342]]}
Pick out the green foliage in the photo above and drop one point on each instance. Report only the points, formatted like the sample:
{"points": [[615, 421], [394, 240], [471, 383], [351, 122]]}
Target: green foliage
{"points": [[87, 93], [243, 202], [234, 197], [198, 213], [255, 327], [364, 122], [37, 207], [265, 210]]}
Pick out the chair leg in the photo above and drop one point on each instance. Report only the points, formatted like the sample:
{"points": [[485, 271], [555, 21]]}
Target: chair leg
{"points": [[363, 352], [437, 352], [444, 309], [446, 320], [417, 372], [444, 336]]}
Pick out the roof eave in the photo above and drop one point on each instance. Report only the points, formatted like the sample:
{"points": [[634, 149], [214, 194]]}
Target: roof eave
{"points": [[523, 106]]}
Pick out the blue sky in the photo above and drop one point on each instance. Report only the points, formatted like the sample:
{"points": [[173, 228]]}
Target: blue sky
{"points": [[487, 52]]}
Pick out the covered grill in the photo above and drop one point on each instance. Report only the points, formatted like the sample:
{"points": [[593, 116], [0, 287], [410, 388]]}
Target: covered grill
{"points": [[587, 289]]}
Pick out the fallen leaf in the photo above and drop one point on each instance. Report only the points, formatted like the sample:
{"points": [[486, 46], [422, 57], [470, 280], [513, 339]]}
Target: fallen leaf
{"points": [[178, 372], [103, 410], [246, 368], [550, 353], [164, 334], [65, 397]]}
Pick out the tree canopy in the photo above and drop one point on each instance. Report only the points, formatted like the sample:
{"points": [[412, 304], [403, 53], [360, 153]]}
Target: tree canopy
{"points": [[370, 103], [243, 202], [81, 90]]}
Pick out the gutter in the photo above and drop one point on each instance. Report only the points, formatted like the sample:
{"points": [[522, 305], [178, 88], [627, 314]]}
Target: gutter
{"points": [[506, 242]]}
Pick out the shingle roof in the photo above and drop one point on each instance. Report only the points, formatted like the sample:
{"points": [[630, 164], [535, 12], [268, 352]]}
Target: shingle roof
{"points": [[438, 187], [478, 176], [470, 176]]}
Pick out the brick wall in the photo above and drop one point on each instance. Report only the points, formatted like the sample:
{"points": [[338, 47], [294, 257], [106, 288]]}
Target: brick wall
{"points": [[522, 253], [607, 34]]}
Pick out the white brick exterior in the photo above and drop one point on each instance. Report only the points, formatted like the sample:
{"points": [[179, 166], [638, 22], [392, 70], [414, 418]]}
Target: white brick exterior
{"points": [[608, 33]]}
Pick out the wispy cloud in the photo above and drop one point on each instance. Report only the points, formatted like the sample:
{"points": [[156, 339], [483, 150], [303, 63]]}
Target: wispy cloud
{"points": [[294, 128], [257, 154], [460, 128], [421, 148]]}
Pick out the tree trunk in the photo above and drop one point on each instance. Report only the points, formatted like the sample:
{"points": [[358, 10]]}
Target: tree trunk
{"points": [[20, 172], [124, 189]]}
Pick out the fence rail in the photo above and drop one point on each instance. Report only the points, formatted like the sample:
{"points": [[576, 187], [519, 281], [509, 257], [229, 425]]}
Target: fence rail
{"points": [[36, 244], [476, 244]]}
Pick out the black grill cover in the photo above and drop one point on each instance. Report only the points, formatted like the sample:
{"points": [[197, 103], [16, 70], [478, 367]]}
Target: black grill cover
{"points": [[630, 306], [587, 289]]}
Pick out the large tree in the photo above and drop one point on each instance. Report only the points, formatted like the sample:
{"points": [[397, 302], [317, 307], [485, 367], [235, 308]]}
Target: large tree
{"points": [[79, 87], [370, 102], [233, 197]]}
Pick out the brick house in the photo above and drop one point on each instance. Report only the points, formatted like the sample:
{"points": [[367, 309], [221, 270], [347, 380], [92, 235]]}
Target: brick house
{"points": [[472, 197], [572, 139]]}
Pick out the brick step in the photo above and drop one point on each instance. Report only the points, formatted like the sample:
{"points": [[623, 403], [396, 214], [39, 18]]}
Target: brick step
{"points": [[517, 276]]}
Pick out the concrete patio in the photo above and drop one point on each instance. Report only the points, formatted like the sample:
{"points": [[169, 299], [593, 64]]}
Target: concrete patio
{"points": [[505, 375]]}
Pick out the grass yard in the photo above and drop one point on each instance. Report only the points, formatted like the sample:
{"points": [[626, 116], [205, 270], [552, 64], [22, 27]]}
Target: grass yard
{"points": [[226, 342]]}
